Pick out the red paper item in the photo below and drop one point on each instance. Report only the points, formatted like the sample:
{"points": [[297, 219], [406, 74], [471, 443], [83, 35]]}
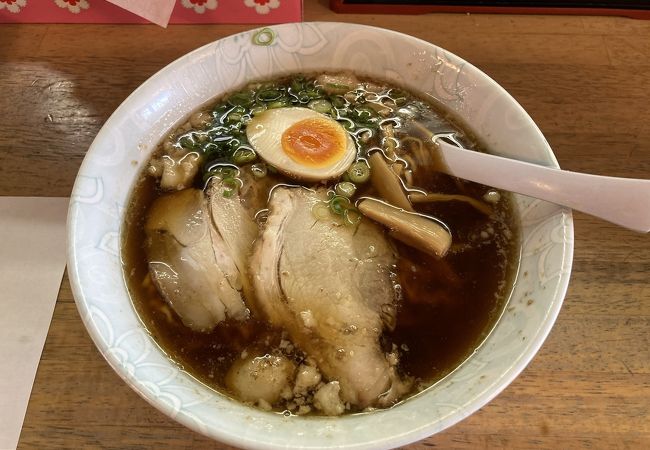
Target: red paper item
{"points": [[185, 11]]}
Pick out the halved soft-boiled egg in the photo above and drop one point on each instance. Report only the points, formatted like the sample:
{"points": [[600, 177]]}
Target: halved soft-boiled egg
{"points": [[301, 143]]}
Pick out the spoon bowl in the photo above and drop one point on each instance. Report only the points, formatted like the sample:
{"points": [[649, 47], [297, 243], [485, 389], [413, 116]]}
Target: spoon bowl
{"points": [[622, 201]]}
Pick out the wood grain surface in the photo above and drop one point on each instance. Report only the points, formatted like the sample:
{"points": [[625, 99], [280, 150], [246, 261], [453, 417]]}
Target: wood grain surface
{"points": [[584, 80]]}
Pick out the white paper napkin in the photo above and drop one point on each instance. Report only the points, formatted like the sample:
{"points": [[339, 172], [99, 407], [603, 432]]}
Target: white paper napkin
{"points": [[32, 261], [156, 11]]}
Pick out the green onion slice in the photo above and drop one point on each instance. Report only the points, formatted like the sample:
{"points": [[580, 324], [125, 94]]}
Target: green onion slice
{"points": [[223, 172], [345, 189], [231, 186], [339, 204], [255, 110], [264, 37], [321, 105], [320, 211], [364, 113], [241, 99], [313, 93], [297, 84], [234, 117], [303, 97], [338, 101], [188, 143], [243, 155], [359, 172], [269, 95], [278, 104]]}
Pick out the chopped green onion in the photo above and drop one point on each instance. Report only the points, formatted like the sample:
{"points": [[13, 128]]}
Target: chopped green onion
{"points": [[338, 101], [278, 104], [243, 155], [234, 143], [232, 186], [364, 113], [210, 147], [214, 151], [229, 172], [259, 170], [224, 172], [303, 97], [234, 117], [269, 95], [320, 210], [219, 110], [321, 105], [345, 189], [187, 143], [297, 84], [313, 93], [359, 172], [339, 204], [264, 37], [255, 110], [221, 172], [352, 216], [241, 99], [217, 132]]}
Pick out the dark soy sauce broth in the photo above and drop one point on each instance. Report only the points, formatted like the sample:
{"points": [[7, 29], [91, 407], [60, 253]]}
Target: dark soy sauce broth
{"points": [[448, 305]]}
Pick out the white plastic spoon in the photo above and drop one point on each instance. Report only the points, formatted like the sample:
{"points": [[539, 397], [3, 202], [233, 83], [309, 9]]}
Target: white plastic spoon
{"points": [[623, 201]]}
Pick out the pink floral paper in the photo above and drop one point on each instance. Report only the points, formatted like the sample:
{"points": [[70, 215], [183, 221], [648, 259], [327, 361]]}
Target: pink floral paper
{"points": [[184, 11]]}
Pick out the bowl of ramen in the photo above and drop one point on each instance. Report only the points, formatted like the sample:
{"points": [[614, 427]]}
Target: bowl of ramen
{"points": [[263, 245]]}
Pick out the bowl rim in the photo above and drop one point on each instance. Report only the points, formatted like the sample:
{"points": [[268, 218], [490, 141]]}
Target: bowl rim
{"points": [[395, 440]]}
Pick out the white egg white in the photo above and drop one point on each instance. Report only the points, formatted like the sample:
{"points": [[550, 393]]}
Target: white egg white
{"points": [[265, 132]]}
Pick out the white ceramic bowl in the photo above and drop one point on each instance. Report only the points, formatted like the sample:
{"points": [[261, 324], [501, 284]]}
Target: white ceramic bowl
{"points": [[120, 151]]}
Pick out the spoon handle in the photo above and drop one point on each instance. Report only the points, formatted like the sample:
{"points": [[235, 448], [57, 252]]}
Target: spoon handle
{"points": [[623, 201]]}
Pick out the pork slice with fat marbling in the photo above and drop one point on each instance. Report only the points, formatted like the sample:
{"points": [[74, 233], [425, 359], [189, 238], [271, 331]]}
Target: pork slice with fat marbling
{"points": [[329, 286], [197, 247]]}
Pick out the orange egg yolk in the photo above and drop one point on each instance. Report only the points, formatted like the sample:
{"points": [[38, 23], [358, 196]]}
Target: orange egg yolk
{"points": [[314, 142]]}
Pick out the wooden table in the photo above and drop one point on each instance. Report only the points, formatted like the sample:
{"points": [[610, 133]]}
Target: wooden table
{"points": [[584, 80]]}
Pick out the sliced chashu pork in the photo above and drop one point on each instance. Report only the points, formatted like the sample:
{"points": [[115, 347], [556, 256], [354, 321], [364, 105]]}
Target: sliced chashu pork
{"points": [[329, 286], [197, 247]]}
